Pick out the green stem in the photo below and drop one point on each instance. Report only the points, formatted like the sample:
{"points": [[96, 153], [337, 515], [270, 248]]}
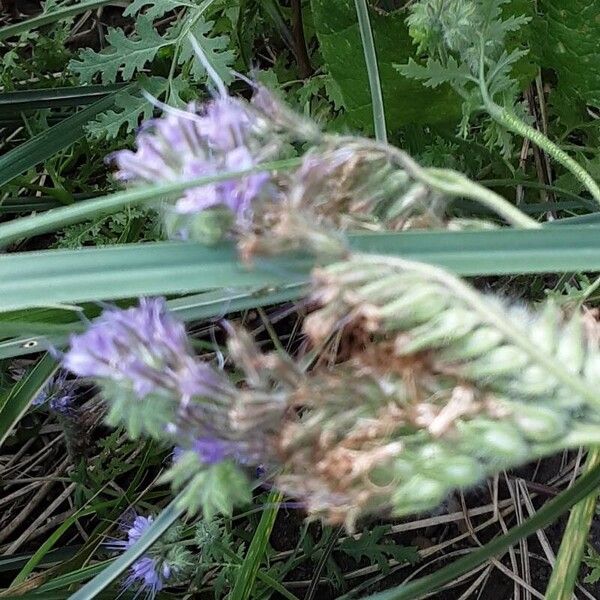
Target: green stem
{"points": [[564, 575], [80, 211], [514, 124], [585, 486], [368, 43], [453, 183]]}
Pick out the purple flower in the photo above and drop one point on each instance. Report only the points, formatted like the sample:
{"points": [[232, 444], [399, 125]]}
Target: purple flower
{"points": [[143, 347], [149, 573], [189, 144], [58, 393]]}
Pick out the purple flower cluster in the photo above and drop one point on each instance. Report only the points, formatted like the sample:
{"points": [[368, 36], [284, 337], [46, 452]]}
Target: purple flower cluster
{"points": [[212, 450], [149, 573], [188, 144], [143, 348]]}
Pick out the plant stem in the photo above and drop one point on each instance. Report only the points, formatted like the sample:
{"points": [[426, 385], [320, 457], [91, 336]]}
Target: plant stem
{"points": [[366, 35], [568, 561], [514, 124]]}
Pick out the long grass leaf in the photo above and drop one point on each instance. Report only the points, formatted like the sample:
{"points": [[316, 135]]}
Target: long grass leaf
{"points": [[15, 402], [49, 142], [368, 43], [53, 277], [568, 561], [50, 17], [246, 576], [60, 217]]}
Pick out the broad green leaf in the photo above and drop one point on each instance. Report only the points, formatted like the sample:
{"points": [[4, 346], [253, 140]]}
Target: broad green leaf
{"points": [[566, 40], [406, 101], [49, 142], [131, 107], [15, 402]]}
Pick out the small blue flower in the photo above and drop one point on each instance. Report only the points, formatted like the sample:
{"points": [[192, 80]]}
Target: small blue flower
{"points": [[58, 393], [149, 573]]}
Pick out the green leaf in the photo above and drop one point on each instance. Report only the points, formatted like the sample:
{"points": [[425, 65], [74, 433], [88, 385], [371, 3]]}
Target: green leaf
{"points": [[22, 100], [405, 101], [215, 49], [216, 489], [15, 402], [124, 55], [80, 211], [132, 107], [37, 333], [153, 9], [566, 41], [49, 142], [373, 546]]}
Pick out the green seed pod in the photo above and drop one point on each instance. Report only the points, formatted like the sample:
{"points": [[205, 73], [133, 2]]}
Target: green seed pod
{"points": [[543, 331], [446, 328], [571, 349], [499, 361], [540, 423], [459, 471], [480, 341], [533, 381], [419, 493], [414, 307], [498, 444]]}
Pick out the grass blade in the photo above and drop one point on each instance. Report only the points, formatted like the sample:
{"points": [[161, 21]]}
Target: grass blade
{"points": [[21, 100], [366, 35], [164, 520], [60, 217], [565, 571], [49, 278], [583, 487], [49, 142], [14, 403], [246, 576], [50, 17], [199, 306]]}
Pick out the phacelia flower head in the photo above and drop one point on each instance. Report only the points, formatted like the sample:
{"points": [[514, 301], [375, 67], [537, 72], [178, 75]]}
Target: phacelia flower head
{"points": [[188, 144], [152, 571], [143, 347], [58, 393]]}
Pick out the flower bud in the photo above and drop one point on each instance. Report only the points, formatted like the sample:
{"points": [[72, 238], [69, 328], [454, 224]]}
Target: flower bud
{"points": [[504, 360]]}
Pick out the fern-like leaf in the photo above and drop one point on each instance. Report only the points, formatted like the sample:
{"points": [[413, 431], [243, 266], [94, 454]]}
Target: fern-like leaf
{"points": [[131, 109], [124, 55], [216, 50]]}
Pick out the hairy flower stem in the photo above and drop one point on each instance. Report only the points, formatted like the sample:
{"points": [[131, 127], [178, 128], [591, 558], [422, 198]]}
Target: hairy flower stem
{"points": [[492, 315], [514, 124], [568, 561], [455, 184]]}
